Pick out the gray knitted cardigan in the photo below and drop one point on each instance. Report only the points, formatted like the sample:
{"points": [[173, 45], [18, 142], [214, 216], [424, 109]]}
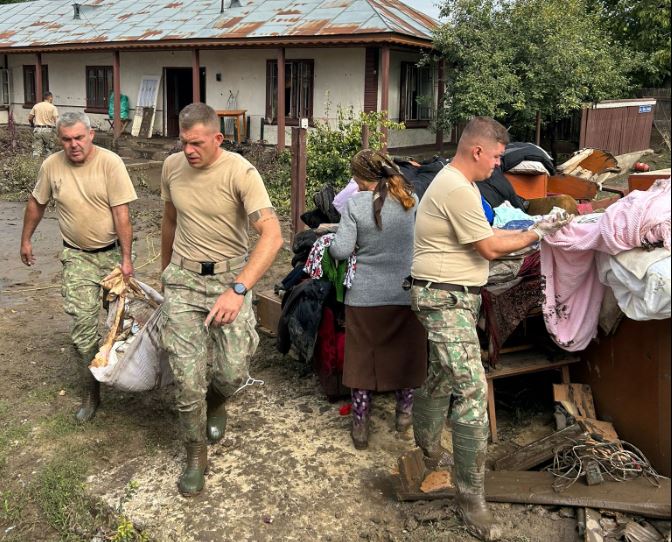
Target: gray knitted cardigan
{"points": [[384, 256]]}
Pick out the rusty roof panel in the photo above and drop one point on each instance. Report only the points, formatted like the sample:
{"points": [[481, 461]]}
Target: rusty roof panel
{"points": [[51, 22]]}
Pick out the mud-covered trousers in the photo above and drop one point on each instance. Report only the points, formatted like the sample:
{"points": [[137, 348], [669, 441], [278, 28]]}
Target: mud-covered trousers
{"points": [[454, 366], [43, 141], [81, 290], [188, 300]]}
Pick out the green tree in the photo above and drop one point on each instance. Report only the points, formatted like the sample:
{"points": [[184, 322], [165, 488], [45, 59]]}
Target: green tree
{"points": [[643, 26], [517, 59], [12, 1]]}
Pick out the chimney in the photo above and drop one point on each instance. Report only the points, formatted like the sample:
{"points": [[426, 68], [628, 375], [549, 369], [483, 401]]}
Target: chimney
{"points": [[232, 4], [76, 7]]}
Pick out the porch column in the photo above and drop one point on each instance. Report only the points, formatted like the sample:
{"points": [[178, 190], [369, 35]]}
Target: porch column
{"points": [[116, 83], [280, 113], [196, 75], [38, 77], [440, 68], [385, 91]]}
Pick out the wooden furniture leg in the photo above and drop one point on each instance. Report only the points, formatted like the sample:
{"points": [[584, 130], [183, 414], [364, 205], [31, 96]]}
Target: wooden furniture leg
{"points": [[491, 412], [565, 374]]}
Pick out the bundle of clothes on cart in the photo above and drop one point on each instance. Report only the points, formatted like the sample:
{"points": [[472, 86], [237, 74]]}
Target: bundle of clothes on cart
{"points": [[612, 263]]}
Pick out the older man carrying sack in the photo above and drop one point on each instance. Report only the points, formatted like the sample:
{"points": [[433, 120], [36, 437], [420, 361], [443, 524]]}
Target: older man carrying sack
{"points": [[92, 190], [210, 197], [453, 243]]}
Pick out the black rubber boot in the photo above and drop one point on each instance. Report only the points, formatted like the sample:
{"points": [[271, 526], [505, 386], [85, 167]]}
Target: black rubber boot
{"points": [[429, 417], [216, 418], [90, 391], [470, 446], [192, 479]]}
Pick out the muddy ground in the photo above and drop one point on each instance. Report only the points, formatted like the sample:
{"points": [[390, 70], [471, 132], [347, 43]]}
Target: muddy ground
{"points": [[285, 471]]}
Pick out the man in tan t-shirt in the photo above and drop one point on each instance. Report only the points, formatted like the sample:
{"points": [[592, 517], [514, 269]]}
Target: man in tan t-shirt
{"points": [[42, 118], [210, 196], [453, 243], [92, 190]]}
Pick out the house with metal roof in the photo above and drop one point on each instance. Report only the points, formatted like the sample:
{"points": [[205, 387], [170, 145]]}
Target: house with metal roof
{"points": [[309, 56]]}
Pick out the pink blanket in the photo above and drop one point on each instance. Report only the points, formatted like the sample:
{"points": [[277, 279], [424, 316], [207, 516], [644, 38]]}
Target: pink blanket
{"points": [[574, 293]]}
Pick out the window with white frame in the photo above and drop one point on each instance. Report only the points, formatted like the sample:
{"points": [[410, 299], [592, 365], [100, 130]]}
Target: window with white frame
{"points": [[417, 94]]}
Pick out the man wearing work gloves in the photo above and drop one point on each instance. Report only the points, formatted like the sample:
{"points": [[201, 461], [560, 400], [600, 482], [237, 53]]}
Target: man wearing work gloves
{"points": [[210, 197], [92, 190], [453, 244]]}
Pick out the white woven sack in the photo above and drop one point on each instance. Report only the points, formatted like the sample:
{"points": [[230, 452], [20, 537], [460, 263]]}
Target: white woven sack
{"points": [[138, 363]]}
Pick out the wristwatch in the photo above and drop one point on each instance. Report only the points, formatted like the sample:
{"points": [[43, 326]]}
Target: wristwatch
{"points": [[239, 288]]}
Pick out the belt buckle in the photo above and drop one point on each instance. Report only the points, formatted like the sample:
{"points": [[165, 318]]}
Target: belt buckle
{"points": [[207, 268]]}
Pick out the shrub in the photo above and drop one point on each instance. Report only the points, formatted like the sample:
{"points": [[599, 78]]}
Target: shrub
{"points": [[18, 174]]}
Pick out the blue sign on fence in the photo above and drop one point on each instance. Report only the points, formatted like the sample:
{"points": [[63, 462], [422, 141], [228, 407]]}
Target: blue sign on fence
{"points": [[645, 108]]}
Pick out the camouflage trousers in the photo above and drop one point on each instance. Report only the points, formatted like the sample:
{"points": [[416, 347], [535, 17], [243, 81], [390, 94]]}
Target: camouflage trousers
{"points": [[455, 366], [82, 273], [188, 300], [44, 140]]}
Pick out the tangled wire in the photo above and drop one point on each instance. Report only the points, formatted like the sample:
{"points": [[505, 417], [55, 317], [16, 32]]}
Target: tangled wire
{"points": [[597, 459]]}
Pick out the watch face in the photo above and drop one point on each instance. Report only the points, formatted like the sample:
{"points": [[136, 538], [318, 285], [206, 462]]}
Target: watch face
{"points": [[239, 288]]}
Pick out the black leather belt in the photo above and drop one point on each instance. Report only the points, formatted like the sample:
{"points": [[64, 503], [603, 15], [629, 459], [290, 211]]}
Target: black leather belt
{"points": [[42, 126], [475, 290], [94, 250]]}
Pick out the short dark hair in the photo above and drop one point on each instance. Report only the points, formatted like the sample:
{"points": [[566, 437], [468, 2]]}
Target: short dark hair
{"points": [[485, 128], [198, 113], [47, 95]]}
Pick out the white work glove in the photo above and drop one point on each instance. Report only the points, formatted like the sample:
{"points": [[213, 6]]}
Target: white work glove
{"points": [[551, 224]]}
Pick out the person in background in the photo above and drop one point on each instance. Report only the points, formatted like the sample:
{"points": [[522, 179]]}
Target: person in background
{"points": [[453, 244], [42, 118], [92, 190], [385, 344]]}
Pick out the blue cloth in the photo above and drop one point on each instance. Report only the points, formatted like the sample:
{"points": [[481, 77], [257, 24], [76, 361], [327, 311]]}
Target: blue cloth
{"points": [[518, 225], [487, 209], [505, 213]]}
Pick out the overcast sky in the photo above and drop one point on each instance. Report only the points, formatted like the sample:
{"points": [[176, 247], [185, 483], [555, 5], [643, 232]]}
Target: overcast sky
{"points": [[426, 6]]}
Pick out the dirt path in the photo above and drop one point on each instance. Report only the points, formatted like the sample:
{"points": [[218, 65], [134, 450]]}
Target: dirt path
{"points": [[285, 471]]}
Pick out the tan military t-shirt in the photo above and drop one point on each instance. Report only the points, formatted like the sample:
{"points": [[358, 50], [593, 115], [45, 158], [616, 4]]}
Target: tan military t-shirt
{"points": [[212, 205], [45, 114], [84, 195], [450, 217]]}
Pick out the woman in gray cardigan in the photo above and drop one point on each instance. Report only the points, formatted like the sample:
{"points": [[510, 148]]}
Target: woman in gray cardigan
{"points": [[385, 344]]}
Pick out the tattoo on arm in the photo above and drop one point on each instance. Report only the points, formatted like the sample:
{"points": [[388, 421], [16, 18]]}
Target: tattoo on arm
{"points": [[262, 215]]}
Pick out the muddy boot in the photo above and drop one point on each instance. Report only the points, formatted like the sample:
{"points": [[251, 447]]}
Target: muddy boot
{"points": [[90, 391], [429, 417], [361, 409], [192, 480], [404, 410], [216, 419], [470, 445]]}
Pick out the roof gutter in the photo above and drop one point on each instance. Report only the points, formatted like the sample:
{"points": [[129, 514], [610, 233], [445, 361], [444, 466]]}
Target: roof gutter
{"points": [[253, 43]]}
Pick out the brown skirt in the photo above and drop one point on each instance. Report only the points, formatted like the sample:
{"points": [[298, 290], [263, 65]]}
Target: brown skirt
{"points": [[385, 348]]}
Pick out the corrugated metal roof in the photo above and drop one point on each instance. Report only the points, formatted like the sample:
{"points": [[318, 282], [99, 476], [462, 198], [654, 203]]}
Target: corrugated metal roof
{"points": [[52, 22]]}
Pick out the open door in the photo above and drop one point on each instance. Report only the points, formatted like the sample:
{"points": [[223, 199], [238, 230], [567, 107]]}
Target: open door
{"points": [[179, 94]]}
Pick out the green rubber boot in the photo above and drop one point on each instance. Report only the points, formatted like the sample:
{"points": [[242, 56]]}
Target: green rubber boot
{"points": [[90, 391], [470, 446], [429, 417], [216, 418], [192, 480]]}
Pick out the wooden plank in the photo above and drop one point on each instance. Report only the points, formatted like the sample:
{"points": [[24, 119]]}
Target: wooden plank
{"points": [[539, 451], [528, 186], [571, 185], [268, 310], [529, 487], [524, 362], [412, 469], [577, 399], [593, 529]]}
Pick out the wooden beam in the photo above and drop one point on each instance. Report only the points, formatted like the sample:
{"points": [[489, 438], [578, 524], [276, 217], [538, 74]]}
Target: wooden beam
{"points": [[38, 78], [385, 90], [196, 75], [539, 451], [440, 69], [280, 113], [116, 83], [636, 496], [299, 163]]}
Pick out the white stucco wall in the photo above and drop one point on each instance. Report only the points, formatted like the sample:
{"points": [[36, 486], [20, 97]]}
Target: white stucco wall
{"points": [[338, 81]]}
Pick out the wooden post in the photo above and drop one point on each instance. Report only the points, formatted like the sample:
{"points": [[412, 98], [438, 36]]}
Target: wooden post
{"points": [[537, 135], [195, 75], [385, 97], [280, 113], [38, 78], [116, 83], [440, 68], [365, 136], [299, 161]]}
